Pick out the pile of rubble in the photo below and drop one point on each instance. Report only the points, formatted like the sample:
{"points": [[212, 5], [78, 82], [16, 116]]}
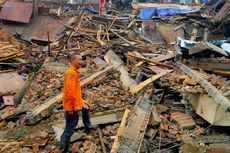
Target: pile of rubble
{"points": [[155, 85]]}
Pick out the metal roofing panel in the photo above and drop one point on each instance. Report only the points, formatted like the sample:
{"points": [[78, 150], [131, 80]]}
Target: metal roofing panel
{"points": [[16, 11]]}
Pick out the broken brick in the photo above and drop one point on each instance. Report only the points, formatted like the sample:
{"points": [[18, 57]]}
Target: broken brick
{"points": [[184, 121], [35, 148]]}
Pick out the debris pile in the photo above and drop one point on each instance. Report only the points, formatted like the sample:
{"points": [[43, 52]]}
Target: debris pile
{"points": [[156, 81]]}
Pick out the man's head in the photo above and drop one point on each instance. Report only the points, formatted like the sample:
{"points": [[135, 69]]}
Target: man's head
{"points": [[76, 60]]}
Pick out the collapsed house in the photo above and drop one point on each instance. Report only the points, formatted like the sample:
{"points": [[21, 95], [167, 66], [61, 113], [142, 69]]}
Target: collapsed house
{"points": [[157, 80]]}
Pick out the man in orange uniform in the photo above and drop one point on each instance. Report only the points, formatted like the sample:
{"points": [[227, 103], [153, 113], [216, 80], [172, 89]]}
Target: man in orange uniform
{"points": [[73, 104]]}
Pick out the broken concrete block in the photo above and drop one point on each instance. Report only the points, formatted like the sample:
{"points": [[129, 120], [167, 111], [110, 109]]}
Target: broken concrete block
{"points": [[151, 133], [154, 117]]}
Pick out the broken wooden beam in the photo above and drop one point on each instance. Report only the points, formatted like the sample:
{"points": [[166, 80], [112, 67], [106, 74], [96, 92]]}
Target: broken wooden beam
{"points": [[116, 142], [44, 109], [131, 43], [212, 91], [114, 60], [110, 26], [19, 94], [134, 130], [141, 85], [149, 60]]}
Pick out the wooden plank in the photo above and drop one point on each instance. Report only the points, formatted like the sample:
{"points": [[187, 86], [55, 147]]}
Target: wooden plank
{"points": [[141, 85], [20, 93], [110, 26], [10, 39], [149, 60], [114, 60], [7, 47], [99, 118], [121, 128], [131, 43], [44, 110], [139, 64], [134, 130]]}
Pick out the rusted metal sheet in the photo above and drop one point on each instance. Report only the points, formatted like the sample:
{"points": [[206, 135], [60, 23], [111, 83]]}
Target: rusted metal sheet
{"points": [[37, 30], [43, 25], [16, 11], [10, 83]]}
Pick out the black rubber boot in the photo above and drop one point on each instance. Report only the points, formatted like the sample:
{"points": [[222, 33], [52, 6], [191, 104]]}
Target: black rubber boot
{"points": [[86, 120]]}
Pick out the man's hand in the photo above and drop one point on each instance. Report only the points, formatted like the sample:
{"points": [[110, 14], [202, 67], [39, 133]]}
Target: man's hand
{"points": [[85, 104], [78, 110]]}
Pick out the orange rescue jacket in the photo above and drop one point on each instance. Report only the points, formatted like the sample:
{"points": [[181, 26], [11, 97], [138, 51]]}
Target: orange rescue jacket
{"points": [[72, 96]]}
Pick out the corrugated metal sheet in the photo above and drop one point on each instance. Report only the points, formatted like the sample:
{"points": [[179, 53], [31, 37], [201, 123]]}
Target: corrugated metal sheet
{"points": [[16, 11], [38, 27]]}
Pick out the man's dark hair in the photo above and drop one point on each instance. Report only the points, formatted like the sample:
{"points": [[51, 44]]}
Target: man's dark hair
{"points": [[72, 56]]}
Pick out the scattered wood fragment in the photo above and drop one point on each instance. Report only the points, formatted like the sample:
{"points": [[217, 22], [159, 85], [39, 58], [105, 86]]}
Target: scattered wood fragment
{"points": [[110, 26], [101, 140], [140, 86], [149, 60], [8, 144], [131, 43]]}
